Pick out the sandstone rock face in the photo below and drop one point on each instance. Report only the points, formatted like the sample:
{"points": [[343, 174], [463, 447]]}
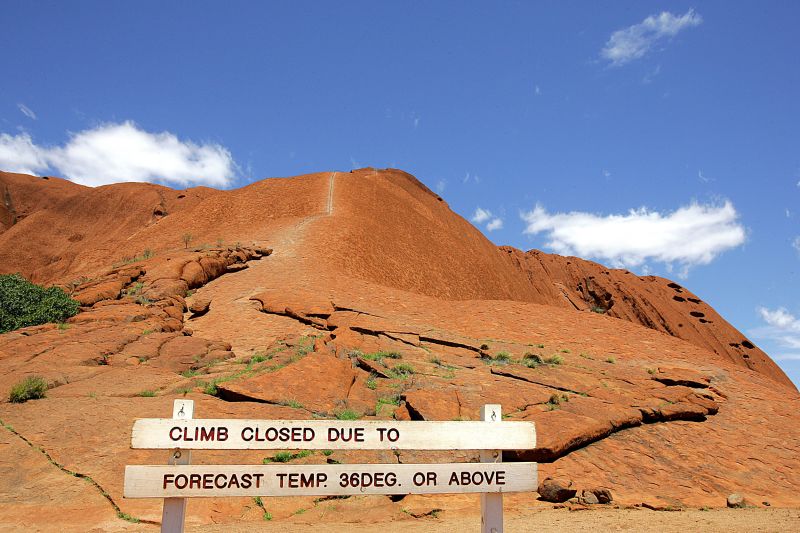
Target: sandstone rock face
{"points": [[353, 315]]}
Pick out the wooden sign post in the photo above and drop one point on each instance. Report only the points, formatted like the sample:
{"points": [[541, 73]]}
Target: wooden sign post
{"points": [[174, 513], [180, 480], [491, 503]]}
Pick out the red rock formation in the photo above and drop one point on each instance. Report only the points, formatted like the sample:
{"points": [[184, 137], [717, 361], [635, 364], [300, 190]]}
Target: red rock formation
{"points": [[380, 301]]}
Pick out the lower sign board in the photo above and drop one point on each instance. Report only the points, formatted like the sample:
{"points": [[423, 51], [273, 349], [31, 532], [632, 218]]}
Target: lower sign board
{"points": [[325, 480]]}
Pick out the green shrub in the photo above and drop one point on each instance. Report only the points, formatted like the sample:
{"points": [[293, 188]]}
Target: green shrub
{"points": [[147, 393], [31, 388], [502, 356], [258, 358], [135, 288], [532, 360], [378, 357], [554, 359], [210, 388], [127, 517], [389, 400], [24, 304], [401, 371], [283, 457], [347, 414], [555, 401], [533, 357]]}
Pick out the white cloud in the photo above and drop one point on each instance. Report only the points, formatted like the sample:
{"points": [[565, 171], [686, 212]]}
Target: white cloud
{"points": [[484, 215], [27, 111], [635, 41], [19, 154], [441, 185], [796, 243], [786, 357], [782, 328], [692, 235], [650, 76], [481, 215], [494, 224], [123, 152], [537, 91], [474, 178], [780, 318]]}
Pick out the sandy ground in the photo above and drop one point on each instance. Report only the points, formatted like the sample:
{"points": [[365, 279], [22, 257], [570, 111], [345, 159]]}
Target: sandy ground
{"points": [[556, 520]]}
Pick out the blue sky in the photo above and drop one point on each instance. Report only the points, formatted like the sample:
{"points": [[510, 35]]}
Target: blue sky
{"points": [[660, 136]]}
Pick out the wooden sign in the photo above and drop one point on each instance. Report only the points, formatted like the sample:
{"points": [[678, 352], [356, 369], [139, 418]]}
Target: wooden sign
{"points": [[164, 433], [491, 478], [323, 480]]}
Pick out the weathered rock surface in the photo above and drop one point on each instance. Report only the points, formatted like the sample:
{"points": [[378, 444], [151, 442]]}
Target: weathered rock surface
{"points": [[320, 383]]}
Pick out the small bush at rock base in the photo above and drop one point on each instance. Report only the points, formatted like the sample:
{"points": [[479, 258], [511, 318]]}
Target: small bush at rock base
{"points": [[31, 388]]}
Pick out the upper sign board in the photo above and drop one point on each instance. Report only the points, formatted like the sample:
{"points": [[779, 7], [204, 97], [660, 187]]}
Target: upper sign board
{"points": [[211, 434]]}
